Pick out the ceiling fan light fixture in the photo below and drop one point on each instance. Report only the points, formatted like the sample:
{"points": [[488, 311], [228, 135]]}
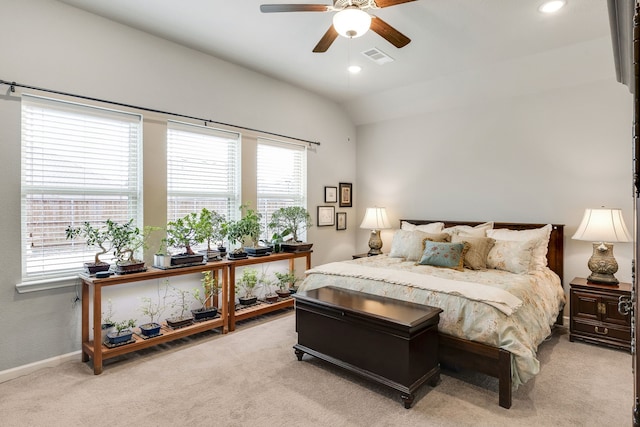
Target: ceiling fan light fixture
{"points": [[351, 22]]}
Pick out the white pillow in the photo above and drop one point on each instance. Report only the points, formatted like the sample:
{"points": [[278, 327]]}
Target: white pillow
{"points": [[410, 244], [434, 227], [479, 230], [540, 235], [512, 256]]}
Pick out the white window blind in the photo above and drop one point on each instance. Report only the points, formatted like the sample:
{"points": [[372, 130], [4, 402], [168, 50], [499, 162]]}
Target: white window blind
{"points": [[282, 178], [79, 163], [203, 170]]}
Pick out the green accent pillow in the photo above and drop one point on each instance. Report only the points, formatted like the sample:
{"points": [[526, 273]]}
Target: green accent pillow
{"points": [[444, 254]]}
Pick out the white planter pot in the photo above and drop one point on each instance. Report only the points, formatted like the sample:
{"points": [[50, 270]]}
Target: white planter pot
{"points": [[162, 260]]}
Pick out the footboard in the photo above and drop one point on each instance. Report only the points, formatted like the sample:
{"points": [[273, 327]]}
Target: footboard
{"points": [[496, 362]]}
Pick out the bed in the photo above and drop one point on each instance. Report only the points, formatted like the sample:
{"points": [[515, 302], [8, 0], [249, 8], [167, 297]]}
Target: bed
{"points": [[495, 314]]}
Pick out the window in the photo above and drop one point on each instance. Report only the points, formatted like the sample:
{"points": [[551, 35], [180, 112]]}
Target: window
{"points": [[282, 172], [79, 163], [203, 167]]}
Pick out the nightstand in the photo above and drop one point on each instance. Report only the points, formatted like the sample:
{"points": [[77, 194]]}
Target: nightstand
{"points": [[594, 314]]}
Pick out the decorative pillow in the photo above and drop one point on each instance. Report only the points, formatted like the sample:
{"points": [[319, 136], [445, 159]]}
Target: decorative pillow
{"points": [[410, 244], [510, 255], [540, 235], [479, 230], [444, 254], [479, 247], [434, 227]]}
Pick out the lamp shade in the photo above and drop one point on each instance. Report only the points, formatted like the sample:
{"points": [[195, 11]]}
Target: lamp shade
{"points": [[351, 22], [602, 225], [375, 219]]}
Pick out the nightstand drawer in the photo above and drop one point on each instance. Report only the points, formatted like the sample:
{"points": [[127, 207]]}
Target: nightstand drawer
{"points": [[600, 330]]}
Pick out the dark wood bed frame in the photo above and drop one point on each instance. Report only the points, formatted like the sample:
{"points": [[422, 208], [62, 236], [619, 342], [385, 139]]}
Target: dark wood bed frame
{"points": [[496, 362]]}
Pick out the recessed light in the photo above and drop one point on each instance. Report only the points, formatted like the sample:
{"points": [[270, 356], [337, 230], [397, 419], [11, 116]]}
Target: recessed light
{"points": [[354, 69], [552, 6]]}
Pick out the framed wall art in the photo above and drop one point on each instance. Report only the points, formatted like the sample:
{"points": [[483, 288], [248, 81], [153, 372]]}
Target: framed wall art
{"points": [[341, 220], [331, 194], [346, 194], [326, 216]]}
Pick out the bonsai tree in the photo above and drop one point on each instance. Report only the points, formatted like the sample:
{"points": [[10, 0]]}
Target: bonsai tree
{"points": [[247, 228], [122, 328], [268, 285], [126, 239], [93, 236], [182, 233], [180, 305], [154, 309], [286, 280], [209, 227], [247, 282], [209, 291], [290, 220]]}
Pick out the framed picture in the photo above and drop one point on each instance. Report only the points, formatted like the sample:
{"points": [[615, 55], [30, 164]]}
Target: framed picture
{"points": [[331, 194], [341, 220], [326, 216], [346, 194]]}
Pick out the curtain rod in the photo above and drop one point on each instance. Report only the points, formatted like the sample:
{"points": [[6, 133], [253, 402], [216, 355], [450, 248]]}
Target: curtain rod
{"points": [[13, 85]]}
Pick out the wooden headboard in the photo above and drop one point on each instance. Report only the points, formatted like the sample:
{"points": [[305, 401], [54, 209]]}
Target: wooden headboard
{"points": [[555, 254]]}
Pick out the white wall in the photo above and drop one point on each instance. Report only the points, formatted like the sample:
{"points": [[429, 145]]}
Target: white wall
{"points": [[55, 46], [539, 158]]}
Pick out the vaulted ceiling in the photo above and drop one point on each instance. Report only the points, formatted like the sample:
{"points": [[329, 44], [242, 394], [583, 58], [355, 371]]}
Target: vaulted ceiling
{"points": [[460, 50]]}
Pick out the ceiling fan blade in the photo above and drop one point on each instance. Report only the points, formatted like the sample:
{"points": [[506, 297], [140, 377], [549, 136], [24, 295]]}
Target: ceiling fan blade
{"points": [[274, 8], [389, 33], [387, 3], [326, 40]]}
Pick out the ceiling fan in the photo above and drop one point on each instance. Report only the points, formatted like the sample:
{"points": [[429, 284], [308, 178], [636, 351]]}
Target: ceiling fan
{"points": [[351, 20]]}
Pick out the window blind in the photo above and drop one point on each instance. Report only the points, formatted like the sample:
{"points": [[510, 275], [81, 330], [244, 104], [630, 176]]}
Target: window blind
{"points": [[79, 163], [281, 174], [203, 170]]}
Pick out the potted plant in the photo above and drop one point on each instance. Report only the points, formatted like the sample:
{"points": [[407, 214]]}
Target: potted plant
{"points": [[93, 237], [122, 333], [246, 285], [162, 257], [268, 284], [107, 321], [181, 315], [210, 229], [246, 233], [153, 310], [182, 233], [286, 282], [293, 220], [210, 289], [126, 239]]}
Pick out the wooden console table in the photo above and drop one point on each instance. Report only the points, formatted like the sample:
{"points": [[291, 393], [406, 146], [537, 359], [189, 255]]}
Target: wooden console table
{"points": [[101, 352], [262, 308]]}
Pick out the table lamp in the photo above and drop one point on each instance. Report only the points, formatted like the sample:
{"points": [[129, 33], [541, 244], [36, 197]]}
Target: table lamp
{"points": [[602, 227], [375, 219]]}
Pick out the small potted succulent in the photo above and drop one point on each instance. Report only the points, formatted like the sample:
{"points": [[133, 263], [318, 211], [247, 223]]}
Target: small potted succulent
{"points": [[292, 220], [205, 296], [122, 333], [246, 285], [94, 236]]}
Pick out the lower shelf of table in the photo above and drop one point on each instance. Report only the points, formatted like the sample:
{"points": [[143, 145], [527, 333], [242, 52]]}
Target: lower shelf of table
{"points": [[168, 334], [243, 313]]}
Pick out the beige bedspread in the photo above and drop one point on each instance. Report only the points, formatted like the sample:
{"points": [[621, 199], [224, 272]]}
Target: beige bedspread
{"points": [[527, 308]]}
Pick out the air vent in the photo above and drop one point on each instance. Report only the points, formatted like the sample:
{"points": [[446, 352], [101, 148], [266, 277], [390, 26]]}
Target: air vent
{"points": [[377, 56]]}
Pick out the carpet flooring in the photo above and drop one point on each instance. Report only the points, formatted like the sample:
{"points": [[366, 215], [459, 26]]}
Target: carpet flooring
{"points": [[251, 377]]}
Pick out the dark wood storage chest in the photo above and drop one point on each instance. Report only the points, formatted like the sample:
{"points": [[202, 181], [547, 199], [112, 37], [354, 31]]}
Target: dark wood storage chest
{"points": [[392, 342]]}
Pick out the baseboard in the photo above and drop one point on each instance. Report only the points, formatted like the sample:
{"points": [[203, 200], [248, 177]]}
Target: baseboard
{"points": [[19, 371]]}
